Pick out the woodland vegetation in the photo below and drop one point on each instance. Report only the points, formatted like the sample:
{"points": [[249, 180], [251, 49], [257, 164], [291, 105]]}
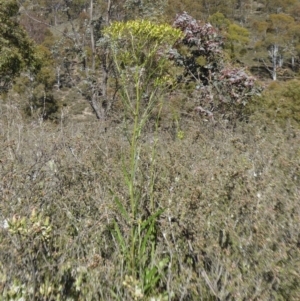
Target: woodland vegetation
{"points": [[149, 150]]}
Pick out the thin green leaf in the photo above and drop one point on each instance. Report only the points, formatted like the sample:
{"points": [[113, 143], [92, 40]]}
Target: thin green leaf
{"points": [[149, 224], [120, 238], [151, 218], [115, 295], [126, 174], [151, 278], [121, 209], [146, 239]]}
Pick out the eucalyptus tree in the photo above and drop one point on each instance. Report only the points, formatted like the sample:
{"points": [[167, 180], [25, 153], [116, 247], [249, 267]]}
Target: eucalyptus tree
{"points": [[280, 39], [17, 51]]}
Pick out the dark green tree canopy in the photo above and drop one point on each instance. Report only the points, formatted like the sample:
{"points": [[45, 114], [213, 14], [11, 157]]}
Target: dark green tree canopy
{"points": [[17, 51]]}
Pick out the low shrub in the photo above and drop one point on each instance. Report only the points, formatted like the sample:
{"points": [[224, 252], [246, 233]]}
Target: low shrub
{"points": [[229, 230]]}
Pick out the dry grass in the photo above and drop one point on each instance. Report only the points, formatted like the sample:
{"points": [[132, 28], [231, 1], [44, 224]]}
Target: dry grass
{"points": [[230, 229]]}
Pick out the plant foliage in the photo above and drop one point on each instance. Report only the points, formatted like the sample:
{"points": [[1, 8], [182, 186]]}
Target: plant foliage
{"points": [[219, 87], [16, 49]]}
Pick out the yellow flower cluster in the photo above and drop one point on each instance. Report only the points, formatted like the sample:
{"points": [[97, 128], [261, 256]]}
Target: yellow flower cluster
{"points": [[143, 30]]}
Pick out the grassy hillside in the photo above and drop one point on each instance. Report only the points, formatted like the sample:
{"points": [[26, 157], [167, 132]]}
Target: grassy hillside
{"points": [[185, 188]]}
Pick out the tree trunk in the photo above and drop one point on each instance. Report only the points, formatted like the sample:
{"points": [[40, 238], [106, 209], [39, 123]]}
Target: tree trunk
{"points": [[92, 35], [274, 54], [58, 77], [293, 63], [108, 12], [94, 102]]}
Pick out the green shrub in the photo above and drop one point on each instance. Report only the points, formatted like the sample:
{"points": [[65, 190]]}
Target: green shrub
{"points": [[279, 103]]}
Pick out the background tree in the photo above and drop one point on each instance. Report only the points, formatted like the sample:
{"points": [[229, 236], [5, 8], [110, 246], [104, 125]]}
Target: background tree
{"points": [[146, 9], [34, 24], [236, 36], [38, 97], [78, 65], [237, 39], [278, 6], [17, 51], [219, 21], [213, 6], [278, 39], [294, 11], [218, 86]]}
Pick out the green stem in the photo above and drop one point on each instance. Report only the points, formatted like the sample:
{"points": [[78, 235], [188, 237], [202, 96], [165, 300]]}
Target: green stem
{"points": [[133, 167]]}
